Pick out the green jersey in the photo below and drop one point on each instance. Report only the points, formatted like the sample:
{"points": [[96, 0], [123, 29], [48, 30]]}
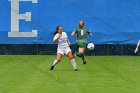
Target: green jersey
{"points": [[81, 33]]}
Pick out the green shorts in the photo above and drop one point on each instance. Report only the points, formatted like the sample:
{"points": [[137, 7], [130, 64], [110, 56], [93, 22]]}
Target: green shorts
{"points": [[80, 44]]}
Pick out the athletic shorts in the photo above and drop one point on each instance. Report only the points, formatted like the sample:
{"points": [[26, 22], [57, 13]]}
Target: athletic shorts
{"points": [[80, 44], [63, 51]]}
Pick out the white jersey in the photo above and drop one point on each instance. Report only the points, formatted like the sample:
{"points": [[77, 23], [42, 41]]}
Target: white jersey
{"points": [[62, 41]]}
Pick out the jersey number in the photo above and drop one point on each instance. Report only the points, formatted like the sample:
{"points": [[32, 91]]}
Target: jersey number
{"points": [[82, 32]]}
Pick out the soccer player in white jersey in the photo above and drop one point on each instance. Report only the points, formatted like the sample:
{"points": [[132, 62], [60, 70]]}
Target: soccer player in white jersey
{"points": [[138, 44], [63, 47]]}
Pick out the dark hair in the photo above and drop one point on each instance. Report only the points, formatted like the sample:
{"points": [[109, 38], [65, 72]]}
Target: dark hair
{"points": [[56, 30], [83, 23]]}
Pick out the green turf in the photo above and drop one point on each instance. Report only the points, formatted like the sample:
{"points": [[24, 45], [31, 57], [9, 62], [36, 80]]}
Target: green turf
{"points": [[102, 74]]}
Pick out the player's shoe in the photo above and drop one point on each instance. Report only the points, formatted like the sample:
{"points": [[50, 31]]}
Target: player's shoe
{"points": [[51, 67], [84, 62], [75, 69]]}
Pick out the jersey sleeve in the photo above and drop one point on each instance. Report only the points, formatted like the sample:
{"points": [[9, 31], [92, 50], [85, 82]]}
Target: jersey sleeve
{"points": [[66, 36], [55, 37], [88, 31], [75, 30]]}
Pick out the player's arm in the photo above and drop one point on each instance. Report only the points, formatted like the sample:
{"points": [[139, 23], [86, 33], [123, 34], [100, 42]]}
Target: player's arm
{"points": [[138, 44], [68, 42], [56, 38], [74, 32], [89, 33]]}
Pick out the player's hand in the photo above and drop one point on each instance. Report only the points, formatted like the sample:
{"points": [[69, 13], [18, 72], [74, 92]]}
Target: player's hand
{"points": [[60, 36], [56, 40], [73, 33], [136, 50], [90, 34], [69, 43]]}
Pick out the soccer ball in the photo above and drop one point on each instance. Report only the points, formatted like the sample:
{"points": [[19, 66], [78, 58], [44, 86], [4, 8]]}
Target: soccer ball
{"points": [[90, 46]]}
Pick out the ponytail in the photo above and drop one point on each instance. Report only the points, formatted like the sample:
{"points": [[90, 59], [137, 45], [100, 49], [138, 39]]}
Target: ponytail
{"points": [[56, 30]]}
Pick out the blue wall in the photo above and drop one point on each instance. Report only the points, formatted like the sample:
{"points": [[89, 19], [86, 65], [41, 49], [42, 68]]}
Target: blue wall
{"points": [[110, 21]]}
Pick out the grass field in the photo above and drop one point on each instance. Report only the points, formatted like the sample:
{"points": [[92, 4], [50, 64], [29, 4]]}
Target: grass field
{"points": [[102, 74]]}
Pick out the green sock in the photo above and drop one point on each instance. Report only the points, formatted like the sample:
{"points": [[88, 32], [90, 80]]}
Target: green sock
{"points": [[83, 57]]}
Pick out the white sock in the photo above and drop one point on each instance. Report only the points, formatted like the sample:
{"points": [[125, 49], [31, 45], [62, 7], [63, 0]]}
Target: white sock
{"points": [[55, 62], [73, 64]]}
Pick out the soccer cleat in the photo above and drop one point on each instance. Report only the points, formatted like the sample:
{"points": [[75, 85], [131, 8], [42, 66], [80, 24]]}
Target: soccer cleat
{"points": [[84, 62], [75, 69], [51, 67]]}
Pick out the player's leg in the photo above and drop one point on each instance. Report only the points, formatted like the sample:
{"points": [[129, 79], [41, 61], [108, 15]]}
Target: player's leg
{"points": [[76, 49], [57, 60], [81, 54], [70, 56], [82, 46]]}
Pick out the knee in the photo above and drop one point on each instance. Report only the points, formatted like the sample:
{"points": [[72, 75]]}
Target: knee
{"points": [[71, 57]]}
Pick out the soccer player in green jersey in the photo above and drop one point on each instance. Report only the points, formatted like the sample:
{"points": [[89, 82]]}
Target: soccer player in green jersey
{"points": [[80, 43]]}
